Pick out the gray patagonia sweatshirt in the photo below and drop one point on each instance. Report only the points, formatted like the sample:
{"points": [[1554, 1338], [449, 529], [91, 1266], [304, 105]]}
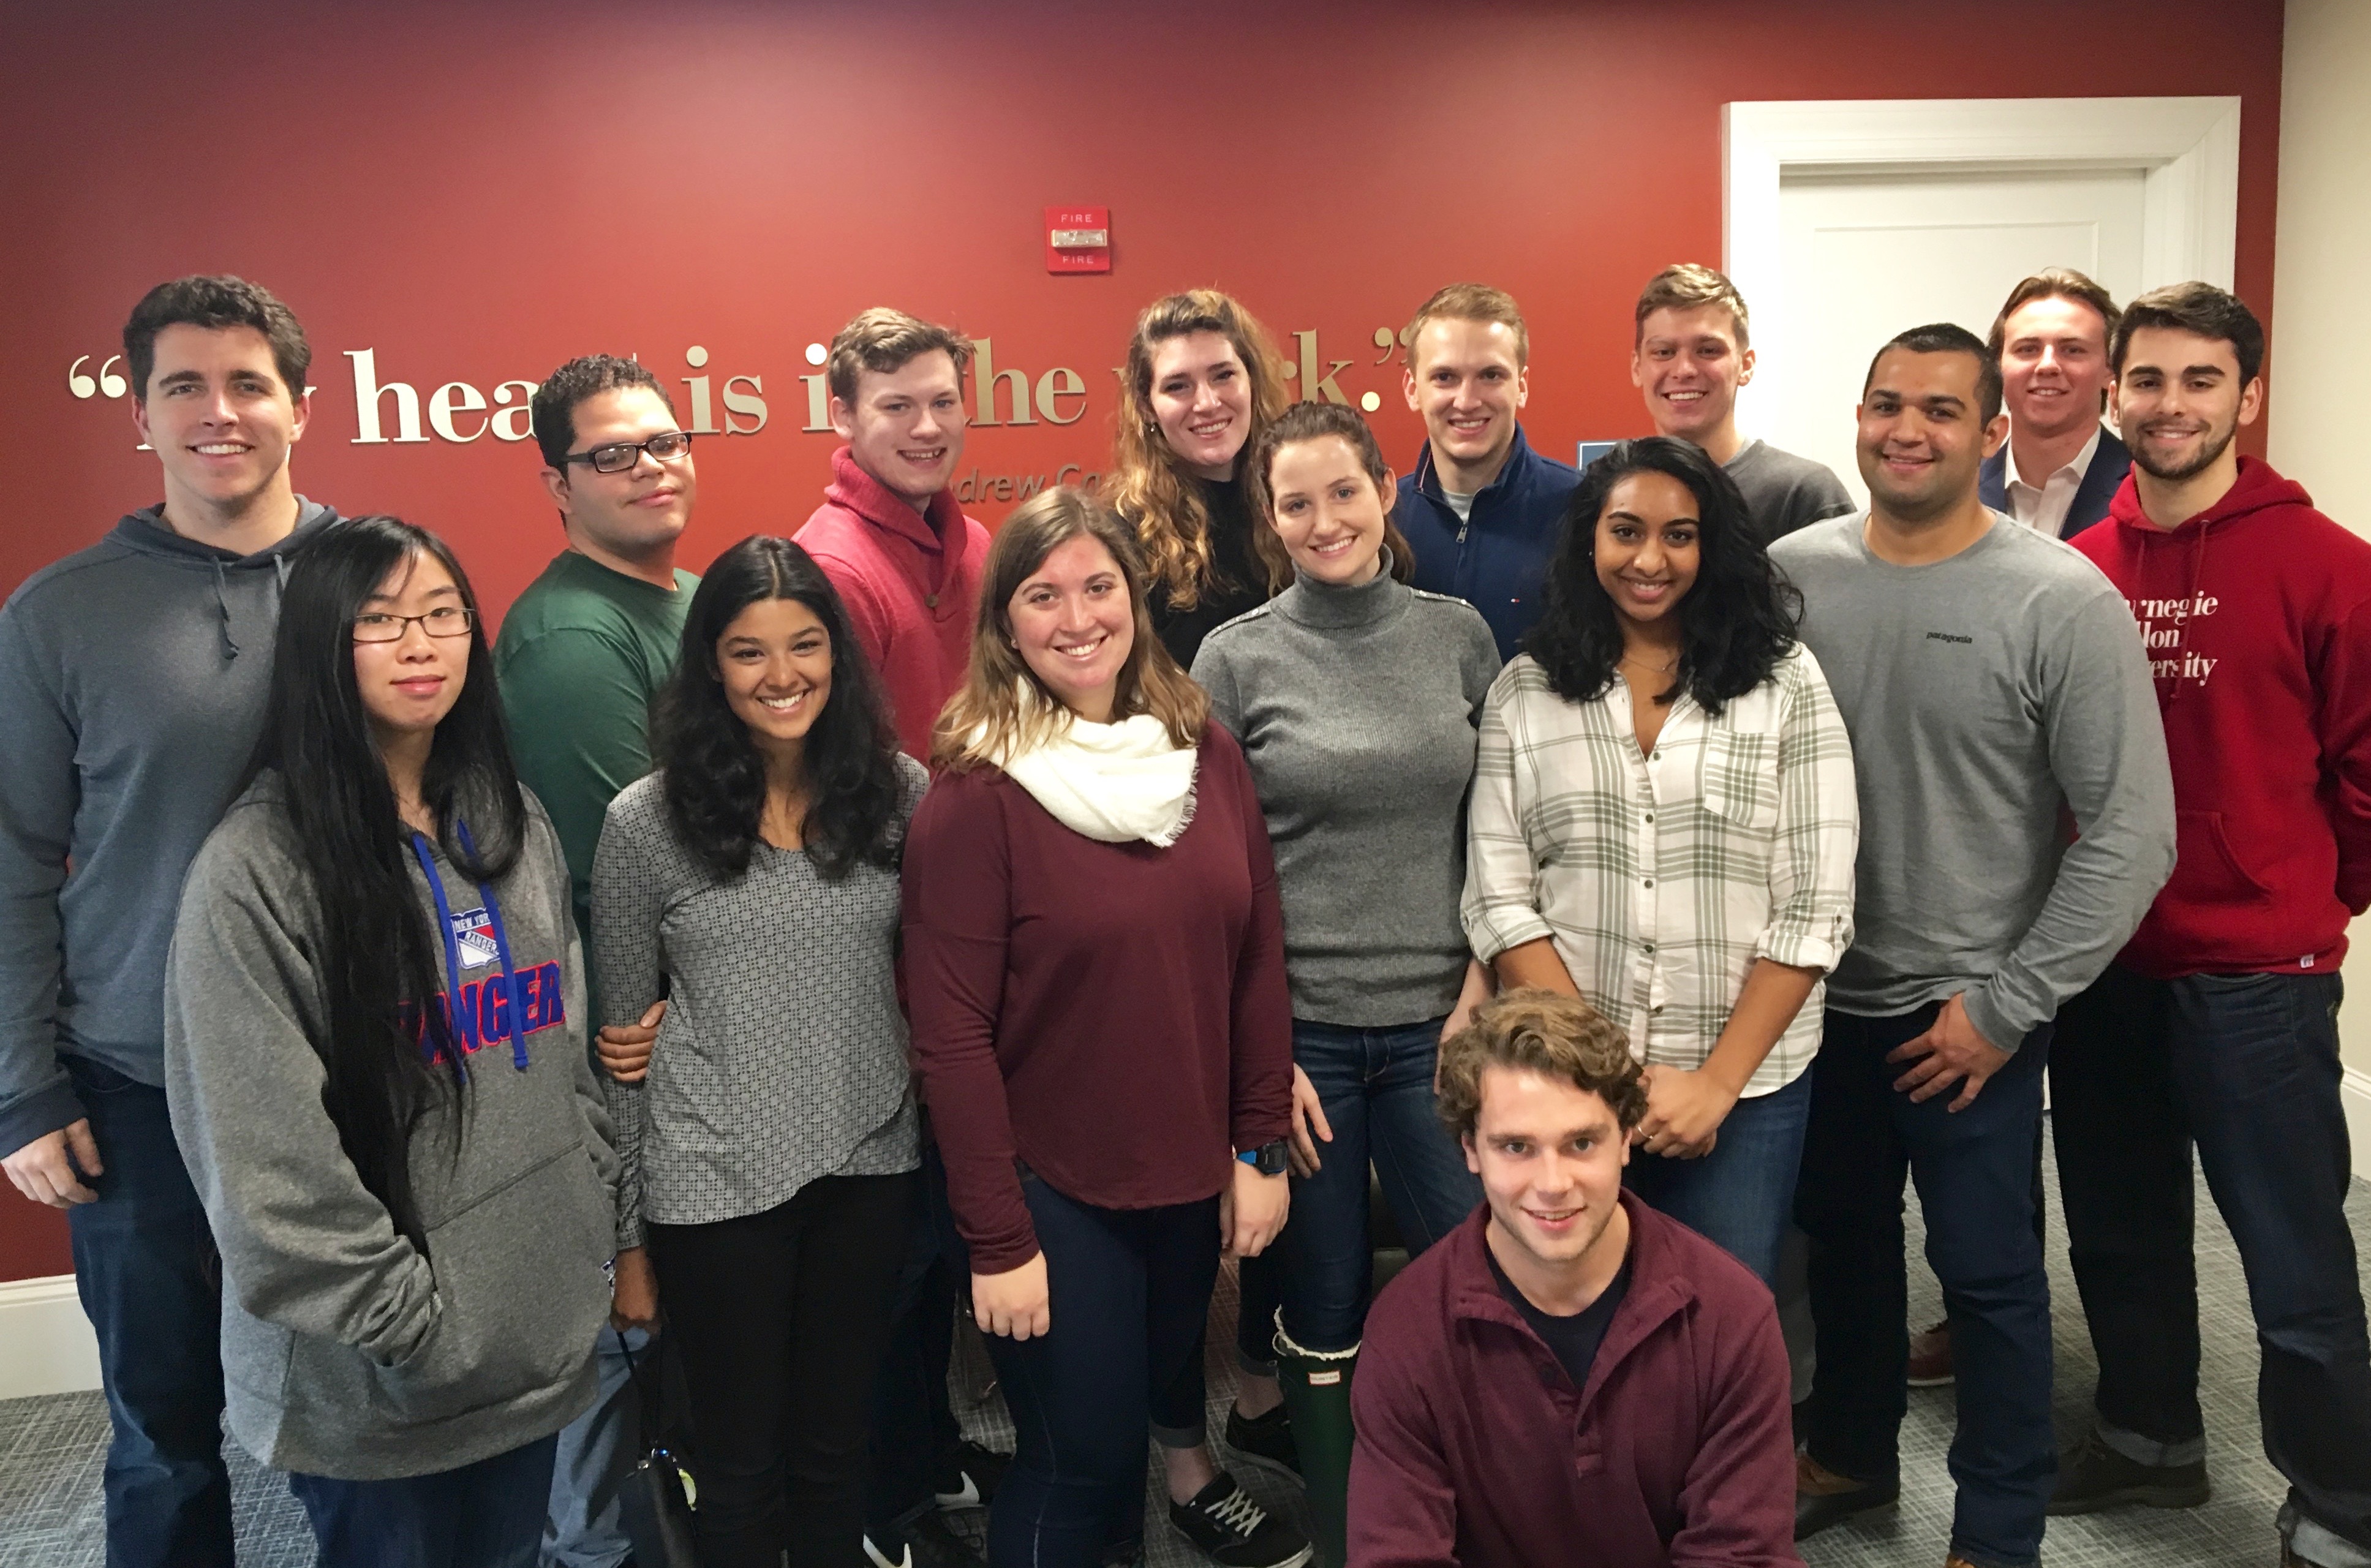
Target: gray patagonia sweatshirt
{"points": [[346, 1353], [131, 685]]}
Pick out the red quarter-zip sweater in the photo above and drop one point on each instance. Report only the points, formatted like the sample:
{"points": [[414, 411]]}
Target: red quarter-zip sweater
{"points": [[1115, 1015], [911, 584], [2257, 613], [1475, 1450]]}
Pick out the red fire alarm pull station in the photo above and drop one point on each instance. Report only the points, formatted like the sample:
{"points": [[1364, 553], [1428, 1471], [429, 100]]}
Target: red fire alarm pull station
{"points": [[1078, 239]]}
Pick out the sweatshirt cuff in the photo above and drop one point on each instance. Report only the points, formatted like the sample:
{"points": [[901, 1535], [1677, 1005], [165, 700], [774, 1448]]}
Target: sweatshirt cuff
{"points": [[39, 1113], [1996, 1026], [1496, 931]]}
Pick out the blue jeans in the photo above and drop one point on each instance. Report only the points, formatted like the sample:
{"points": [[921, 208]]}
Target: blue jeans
{"points": [[1742, 1195], [1974, 1173], [2248, 1067], [597, 1452], [1129, 1291], [488, 1514], [1376, 1087], [151, 1283]]}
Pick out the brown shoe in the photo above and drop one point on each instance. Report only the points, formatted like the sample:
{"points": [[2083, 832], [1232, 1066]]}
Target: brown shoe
{"points": [[1930, 1358], [1955, 1561], [1822, 1497]]}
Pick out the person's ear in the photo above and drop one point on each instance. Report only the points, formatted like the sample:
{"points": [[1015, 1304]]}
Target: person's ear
{"points": [[1745, 368], [1995, 434], [556, 483], [2251, 401], [843, 419]]}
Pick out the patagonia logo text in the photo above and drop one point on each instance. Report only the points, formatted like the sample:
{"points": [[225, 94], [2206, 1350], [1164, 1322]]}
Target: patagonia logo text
{"points": [[1948, 637]]}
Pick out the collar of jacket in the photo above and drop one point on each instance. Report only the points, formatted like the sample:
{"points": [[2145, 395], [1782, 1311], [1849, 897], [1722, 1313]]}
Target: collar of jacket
{"points": [[1510, 472]]}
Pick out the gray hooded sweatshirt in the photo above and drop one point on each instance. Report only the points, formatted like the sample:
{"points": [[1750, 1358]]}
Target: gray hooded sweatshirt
{"points": [[131, 685], [346, 1352]]}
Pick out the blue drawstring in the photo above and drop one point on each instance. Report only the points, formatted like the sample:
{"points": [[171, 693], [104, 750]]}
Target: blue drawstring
{"points": [[420, 851]]}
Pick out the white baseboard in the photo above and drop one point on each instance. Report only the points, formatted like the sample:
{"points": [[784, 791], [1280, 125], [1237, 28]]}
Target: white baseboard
{"points": [[47, 1346], [2354, 1092]]}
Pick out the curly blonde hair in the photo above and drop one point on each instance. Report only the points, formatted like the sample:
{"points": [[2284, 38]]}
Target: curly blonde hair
{"points": [[1146, 484]]}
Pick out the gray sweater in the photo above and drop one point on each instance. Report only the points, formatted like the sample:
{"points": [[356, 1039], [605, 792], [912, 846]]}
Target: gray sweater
{"points": [[132, 682], [346, 1353], [1981, 693], [783, 1055], [1355, 708]]}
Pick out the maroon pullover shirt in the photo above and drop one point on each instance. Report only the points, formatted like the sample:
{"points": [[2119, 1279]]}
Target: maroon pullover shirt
{"points": [[1113, 1015], [1475, 1449]]}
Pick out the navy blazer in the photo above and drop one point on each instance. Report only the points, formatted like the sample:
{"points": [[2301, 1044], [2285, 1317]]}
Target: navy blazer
{"points": [[1499, 561], [2108, 465]]}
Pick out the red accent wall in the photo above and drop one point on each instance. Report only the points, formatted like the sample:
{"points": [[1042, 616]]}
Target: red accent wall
{"points": [[476, 193]]}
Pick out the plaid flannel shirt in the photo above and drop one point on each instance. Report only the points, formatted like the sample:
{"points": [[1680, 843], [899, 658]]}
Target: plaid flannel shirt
{"points": [[1662, 878]]}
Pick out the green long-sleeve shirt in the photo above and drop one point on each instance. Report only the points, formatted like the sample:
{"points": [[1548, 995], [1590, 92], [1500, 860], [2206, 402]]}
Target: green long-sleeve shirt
{"points": [[581, 654]]}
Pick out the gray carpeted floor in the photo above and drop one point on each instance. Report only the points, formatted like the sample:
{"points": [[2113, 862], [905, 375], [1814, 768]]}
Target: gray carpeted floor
{"points": [[51, 1449]]}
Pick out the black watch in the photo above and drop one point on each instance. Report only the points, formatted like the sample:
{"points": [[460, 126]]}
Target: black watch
{"points": [[1268, 1159]]}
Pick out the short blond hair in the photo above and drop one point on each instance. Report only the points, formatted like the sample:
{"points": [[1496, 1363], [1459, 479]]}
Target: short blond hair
{"points": [[1541, 1032], [882, 340], [1470, 302], [1684, 285]]}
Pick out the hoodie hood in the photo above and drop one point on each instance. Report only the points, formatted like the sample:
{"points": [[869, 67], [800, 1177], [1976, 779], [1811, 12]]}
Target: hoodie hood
{"points": [[146, 532]]}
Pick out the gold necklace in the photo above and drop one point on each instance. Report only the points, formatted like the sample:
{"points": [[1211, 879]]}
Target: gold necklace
{"points": [[1654, 669]]}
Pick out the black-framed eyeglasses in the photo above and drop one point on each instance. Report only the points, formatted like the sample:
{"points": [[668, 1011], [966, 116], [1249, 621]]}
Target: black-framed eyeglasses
{"points": [[444, 620], [616, 456]]}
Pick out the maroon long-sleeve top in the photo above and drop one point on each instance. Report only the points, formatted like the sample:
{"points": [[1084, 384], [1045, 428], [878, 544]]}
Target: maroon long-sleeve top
{"points": [[1113, 1015]]}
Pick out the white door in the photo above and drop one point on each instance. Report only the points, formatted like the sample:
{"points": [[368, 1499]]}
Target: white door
{"points": [[1867, 253]]}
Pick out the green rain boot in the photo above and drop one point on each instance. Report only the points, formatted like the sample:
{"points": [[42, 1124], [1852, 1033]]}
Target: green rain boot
{"points": [[1316, 1386]]}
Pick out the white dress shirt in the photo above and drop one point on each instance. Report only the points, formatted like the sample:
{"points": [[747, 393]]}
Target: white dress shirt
{"points": [[2044, 507]]}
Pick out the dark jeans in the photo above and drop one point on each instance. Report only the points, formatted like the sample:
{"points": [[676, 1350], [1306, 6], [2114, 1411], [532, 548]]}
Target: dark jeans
{"points": [[151, 1283], [1376, 1086], [1974, 1173], [1130, 1290], [2247, 1066], [1742, 1195], [914, 1427], [488, 1514], [779, 1320]]}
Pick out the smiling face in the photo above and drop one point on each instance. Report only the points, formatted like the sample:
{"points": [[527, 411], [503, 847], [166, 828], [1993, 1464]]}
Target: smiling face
{"points": [[775, 662], [1649, 546], [1202, 400], [2179, 402], [1689, 365], [1550, 1155], [1328, 509], [2053, 366], [220, 419], [906, 428], [408, 685], [1074, 627], [1921, 433], [1464, 378], [638, 510]]}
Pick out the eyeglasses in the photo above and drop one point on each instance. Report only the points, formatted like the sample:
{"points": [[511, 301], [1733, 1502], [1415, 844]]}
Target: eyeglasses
{"points": [[444, 620], [619, 455]]}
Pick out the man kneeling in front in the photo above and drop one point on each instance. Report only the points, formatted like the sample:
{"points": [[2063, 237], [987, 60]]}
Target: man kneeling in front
{"points": [[1570, 1376]]}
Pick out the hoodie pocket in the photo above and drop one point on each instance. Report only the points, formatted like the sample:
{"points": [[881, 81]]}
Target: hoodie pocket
{"points": [[521, 1294], [2207, 870]]}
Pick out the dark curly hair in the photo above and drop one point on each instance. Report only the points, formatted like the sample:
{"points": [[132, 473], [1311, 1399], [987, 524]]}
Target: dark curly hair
{"points": [[1737, 621], [552, 410], [215, 304], [715, 779]]}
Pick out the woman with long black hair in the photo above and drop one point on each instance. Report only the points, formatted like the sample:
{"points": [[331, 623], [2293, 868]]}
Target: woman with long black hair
{"points": [[375, 1061], [1663, 824], [769, 1154]]}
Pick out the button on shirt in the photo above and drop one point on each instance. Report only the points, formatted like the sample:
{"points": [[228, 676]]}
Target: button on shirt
{"points": [[2044, 507], [1662, 877]]}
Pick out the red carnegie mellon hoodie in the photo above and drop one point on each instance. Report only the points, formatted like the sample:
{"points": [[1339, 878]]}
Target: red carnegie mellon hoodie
{"points": [[2257, 616]]}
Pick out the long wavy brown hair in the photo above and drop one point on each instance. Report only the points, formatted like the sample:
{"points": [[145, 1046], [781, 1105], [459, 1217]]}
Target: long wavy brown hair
{"points": [[1002, 708], [1146, 483]]}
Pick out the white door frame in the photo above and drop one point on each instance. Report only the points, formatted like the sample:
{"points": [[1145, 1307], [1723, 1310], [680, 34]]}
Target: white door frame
{"points": [[2187, 149]]}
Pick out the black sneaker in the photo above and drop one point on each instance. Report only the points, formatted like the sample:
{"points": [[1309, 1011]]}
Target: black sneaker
{"points": [[922, 1543], [1264, 1440], [2092, 1476], [970, 1475], [1234, 1531]]}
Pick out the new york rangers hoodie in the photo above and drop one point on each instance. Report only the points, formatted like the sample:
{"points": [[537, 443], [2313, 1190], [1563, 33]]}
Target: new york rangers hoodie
{"points": [[2257, 617]]}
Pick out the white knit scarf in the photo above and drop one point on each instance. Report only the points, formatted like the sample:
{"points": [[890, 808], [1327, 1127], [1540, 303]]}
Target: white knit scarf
{"points": [[1111, 782]]}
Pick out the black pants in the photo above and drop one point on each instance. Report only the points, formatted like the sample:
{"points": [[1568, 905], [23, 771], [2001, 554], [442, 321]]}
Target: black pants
{"points": [[779, 1320], [2248, 1067], [914, 1430]]}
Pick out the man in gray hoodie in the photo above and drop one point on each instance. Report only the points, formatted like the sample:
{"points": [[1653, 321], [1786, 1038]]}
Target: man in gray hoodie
{"points": [[132, 686]]}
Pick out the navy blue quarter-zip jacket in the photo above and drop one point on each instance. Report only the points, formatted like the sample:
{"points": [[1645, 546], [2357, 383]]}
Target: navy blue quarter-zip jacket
{"points": [[1496, 559]]}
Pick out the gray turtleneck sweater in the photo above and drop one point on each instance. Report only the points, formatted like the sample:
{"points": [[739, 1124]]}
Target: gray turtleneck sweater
{"points": [[132, 686], [1355, 708]]}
